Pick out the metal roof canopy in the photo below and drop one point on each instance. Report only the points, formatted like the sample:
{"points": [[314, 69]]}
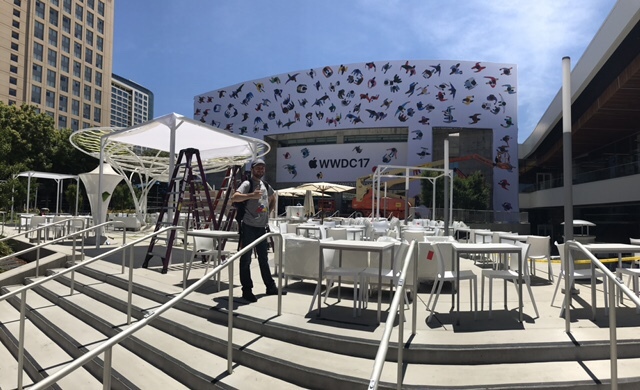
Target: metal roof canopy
{"points": [[58, 177]]}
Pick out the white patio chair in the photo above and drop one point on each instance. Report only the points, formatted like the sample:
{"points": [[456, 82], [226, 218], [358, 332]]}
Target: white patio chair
{"points": [[577, 274], [60, 229], [36, 222], [443, 253], [510, 274], [390, 272], [204, 247], [540, 249], [337, 233], [379, 228]]}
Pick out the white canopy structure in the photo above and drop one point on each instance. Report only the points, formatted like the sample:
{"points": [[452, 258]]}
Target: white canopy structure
{"points": [[150, 149], [110, 180], [59, 179]]}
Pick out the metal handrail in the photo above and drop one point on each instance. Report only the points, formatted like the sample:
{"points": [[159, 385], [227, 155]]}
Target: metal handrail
{"points": [[39, 245], [621, 287], [107, 345], [388, 327], [23, 290]]}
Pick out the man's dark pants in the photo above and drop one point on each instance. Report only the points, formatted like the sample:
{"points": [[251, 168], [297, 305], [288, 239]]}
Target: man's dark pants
{"points": [[249, 235]]}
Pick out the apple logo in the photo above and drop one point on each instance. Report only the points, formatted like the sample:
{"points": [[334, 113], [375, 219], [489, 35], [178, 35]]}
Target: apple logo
{"points": [[313, 163]]}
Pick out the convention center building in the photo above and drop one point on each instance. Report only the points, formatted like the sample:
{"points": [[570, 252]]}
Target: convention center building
{"points": [[338, 122]]}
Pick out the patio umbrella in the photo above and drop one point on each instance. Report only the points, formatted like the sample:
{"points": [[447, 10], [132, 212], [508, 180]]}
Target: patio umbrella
{"points": [[293, 192], [309, 208], [324, 187]]}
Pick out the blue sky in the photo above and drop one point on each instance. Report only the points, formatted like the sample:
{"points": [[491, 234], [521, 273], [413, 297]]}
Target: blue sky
{"points": [[181, 48]]}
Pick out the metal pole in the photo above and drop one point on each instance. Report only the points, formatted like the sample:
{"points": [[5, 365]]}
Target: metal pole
{"points": [[23, 303], [568, 182], [446, 186]]}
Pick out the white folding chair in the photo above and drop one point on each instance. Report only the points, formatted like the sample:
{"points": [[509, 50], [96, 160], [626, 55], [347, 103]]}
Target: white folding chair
{"points": [[509, 274], [540, 250], [443, 251], [577, 274]]}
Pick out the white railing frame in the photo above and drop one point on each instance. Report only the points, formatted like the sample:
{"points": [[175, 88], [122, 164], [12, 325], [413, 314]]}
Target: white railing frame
{"points": [[39, 245], [397, 306], [613, 292], [107, 345]]}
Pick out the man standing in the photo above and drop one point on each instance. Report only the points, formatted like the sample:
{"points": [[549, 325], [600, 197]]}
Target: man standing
{"points": [[253, 226]]}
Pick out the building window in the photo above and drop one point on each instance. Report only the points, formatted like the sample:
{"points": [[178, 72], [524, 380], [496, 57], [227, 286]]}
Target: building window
{"points": [[14, 46], [66, 5], [64, 63], [87, 93], [66, 44], [62, 121], [99, 43], [86, 111], [99, 61], [17, 2], [99, 79], [75, 107], [97, 98], [97, 114], [91, 4], [13, 69], [37, 73], [50, 99], [77, 50], [52, 58], [13, 81], [54, 2], [37, 51], [76, 88], [15, 35], [53, 16], [53, 37], [100, 26], [79, 12], [39, 30], [16, 13], [16, 24], [66, 24], [78, 31], [36, 94], [76, 68], [88, 55], [90, 19], [14, 57], [74, 124], [64, 83], [40, 9], [101, 8], [51, 78], [88, 74], [13, 92], [63, 103], [89, 37]]}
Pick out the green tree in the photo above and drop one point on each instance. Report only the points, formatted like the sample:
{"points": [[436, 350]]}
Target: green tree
{"points": [[29, 141], [470, 193]]}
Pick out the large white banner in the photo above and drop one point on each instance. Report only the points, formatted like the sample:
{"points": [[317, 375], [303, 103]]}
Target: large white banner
{"points": [[336, 163]]}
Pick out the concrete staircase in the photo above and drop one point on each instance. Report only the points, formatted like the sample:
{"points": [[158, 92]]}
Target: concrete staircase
{"points": [[186, 346]]}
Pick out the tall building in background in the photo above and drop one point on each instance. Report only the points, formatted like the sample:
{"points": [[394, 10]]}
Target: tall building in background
{"points": [[57, 55], [131, 103]]}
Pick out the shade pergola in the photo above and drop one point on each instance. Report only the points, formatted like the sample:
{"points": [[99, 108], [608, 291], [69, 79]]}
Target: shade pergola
{"points": [[150, 149], [57, 177]]}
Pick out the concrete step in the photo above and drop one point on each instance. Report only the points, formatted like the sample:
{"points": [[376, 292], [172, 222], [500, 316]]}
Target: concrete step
{"points": [[43, 356], [264, 354], [186, 363], [78, 337], [442, 375]]}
